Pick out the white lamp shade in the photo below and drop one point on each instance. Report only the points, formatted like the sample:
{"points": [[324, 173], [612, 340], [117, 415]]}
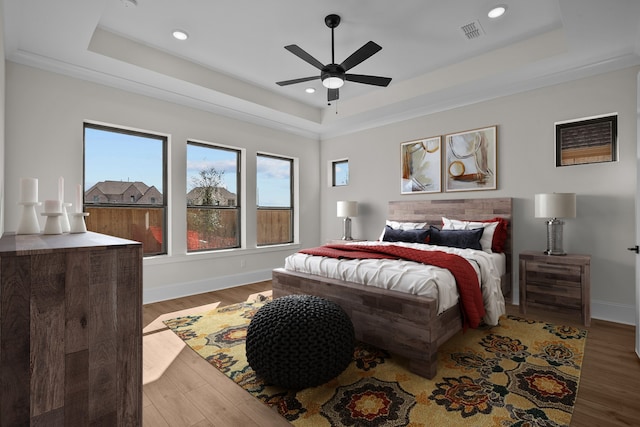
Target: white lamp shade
{"points": [[555, 205], [347, 209]]}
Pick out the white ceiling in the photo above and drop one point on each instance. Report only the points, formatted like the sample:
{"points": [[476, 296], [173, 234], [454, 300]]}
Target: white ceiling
{"points": [[235, 52]]}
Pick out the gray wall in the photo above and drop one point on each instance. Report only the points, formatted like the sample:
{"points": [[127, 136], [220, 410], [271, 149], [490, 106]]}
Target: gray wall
{"points": [[44, 117], [606, 192]]}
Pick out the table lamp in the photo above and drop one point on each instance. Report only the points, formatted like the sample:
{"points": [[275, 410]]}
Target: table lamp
{"points": [[553, 206], [346, 210]]}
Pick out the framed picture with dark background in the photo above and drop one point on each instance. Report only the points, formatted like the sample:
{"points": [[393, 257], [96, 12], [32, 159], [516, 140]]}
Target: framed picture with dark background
{"points": [[587, 140]]}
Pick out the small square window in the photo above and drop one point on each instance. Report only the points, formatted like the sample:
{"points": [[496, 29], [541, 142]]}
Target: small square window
{"points": [[340, 173]]}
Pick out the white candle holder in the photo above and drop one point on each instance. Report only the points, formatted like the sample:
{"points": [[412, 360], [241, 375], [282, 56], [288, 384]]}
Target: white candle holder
{"points": [[52, 225], [28, 220], [77, 222], [64, 220]]}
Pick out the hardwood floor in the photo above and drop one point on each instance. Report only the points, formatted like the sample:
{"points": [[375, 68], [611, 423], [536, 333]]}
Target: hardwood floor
{"points": [[182, 389]]}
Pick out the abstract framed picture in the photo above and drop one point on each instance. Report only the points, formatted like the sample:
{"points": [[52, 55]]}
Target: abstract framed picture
{"points": [[421, 166], [587, 140], [470, 160]]}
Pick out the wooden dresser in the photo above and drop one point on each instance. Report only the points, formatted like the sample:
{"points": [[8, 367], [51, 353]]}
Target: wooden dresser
{"points": [[70, 330], [557, 282]]}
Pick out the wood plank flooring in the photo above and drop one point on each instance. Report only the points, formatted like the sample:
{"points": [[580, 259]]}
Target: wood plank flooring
{"points": [[182, 389]]}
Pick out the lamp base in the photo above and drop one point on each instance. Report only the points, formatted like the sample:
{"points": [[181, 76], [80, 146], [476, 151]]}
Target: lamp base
{"points": [[346, 230], [554, 237]]}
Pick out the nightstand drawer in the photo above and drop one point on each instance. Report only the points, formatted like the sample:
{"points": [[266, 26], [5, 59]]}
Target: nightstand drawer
{"points": [[558, 275], [567, 296], [560, 269]]}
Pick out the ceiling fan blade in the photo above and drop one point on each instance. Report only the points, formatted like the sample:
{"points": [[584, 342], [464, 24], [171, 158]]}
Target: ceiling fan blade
{"points": [[297, 51], [294, 81], [368, 80], [360, 55], [333, 94]]}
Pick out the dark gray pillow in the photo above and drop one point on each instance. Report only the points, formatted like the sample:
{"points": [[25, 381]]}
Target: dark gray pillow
{"points": [[464, 239], [418, 235]]}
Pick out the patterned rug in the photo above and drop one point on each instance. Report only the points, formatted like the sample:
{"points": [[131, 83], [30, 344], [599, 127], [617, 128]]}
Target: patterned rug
{"points": [[520, 373]]}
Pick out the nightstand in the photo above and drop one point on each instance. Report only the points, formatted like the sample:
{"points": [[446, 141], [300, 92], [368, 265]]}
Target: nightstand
{"points": [[557, 282]]}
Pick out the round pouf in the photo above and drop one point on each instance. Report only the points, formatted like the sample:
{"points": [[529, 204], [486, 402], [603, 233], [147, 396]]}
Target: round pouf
{"points": [[299, 341]]}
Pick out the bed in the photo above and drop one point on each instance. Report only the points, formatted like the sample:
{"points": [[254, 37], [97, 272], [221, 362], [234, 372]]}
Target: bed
{"points": [[405, 324]]}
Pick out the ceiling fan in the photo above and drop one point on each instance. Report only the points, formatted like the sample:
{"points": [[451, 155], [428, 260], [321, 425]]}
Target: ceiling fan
{"points": [[334, 75]]}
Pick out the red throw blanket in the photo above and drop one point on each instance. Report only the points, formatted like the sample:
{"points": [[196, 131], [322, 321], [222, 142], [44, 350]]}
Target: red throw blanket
{"points": [[466, 279]]}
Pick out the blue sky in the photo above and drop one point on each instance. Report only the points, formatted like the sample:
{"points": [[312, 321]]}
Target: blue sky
{"points": [[121, 157]]}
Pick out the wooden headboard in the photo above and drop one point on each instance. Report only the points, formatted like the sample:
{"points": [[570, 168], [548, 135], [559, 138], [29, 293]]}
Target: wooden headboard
{"points": [[432, 212]]}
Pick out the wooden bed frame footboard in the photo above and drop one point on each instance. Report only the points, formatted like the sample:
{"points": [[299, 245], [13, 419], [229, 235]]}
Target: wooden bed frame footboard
{"points": [[404, 324]]}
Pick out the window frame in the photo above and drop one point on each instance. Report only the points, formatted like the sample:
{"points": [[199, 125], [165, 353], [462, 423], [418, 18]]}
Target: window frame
{"points": [[238, 205], [292, 199], [334, 164], [165, 176]]}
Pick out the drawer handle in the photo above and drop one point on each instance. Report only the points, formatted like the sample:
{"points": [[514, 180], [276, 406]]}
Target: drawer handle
{"points": [[553, 267]]}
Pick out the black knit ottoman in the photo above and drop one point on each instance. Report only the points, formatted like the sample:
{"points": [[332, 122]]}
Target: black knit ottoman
{"points": [[299, 341]]}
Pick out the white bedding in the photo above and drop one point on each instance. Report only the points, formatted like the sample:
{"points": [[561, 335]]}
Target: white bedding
{"points": [[413, 277]]}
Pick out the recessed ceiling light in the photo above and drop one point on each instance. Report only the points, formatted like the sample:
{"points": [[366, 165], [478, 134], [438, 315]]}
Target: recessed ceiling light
{"points": [[497, 11], [180, 35], [310, 90]]}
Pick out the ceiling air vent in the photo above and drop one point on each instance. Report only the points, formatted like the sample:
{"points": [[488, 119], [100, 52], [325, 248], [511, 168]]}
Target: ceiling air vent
{"points": [[472, 30]]}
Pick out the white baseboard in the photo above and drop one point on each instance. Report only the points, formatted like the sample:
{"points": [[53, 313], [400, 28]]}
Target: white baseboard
{"points": [[179, 290], [619, 313], [603, 310]]}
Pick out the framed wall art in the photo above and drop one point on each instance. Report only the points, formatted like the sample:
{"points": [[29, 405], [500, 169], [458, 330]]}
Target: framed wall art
{"points": [[587, 140], [470, 160], [421, 166]]}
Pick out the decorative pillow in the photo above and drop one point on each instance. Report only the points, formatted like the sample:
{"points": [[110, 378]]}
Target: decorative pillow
{"points": [[494, 236], [398, 225], [408, 236], [464, 239], [500, 235]]}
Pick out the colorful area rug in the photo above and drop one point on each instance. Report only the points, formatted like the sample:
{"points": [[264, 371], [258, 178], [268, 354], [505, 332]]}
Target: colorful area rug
{"points": [[520, 373]]}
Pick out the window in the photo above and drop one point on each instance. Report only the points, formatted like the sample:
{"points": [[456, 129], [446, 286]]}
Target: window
{"points": [[125, 177], [340, 173], [213, 213], [275, 199]]}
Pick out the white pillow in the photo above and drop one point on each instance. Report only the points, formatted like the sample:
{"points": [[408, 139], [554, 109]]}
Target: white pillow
{"points": [[486, 241], [398, 225]]}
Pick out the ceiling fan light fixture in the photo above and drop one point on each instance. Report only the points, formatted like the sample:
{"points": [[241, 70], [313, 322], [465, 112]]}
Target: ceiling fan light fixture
{"points": [[332, 82]]}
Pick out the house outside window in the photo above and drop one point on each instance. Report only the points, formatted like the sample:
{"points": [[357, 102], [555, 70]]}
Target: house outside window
{"points": [[123, 171], [213, 212], [274, 182]]}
